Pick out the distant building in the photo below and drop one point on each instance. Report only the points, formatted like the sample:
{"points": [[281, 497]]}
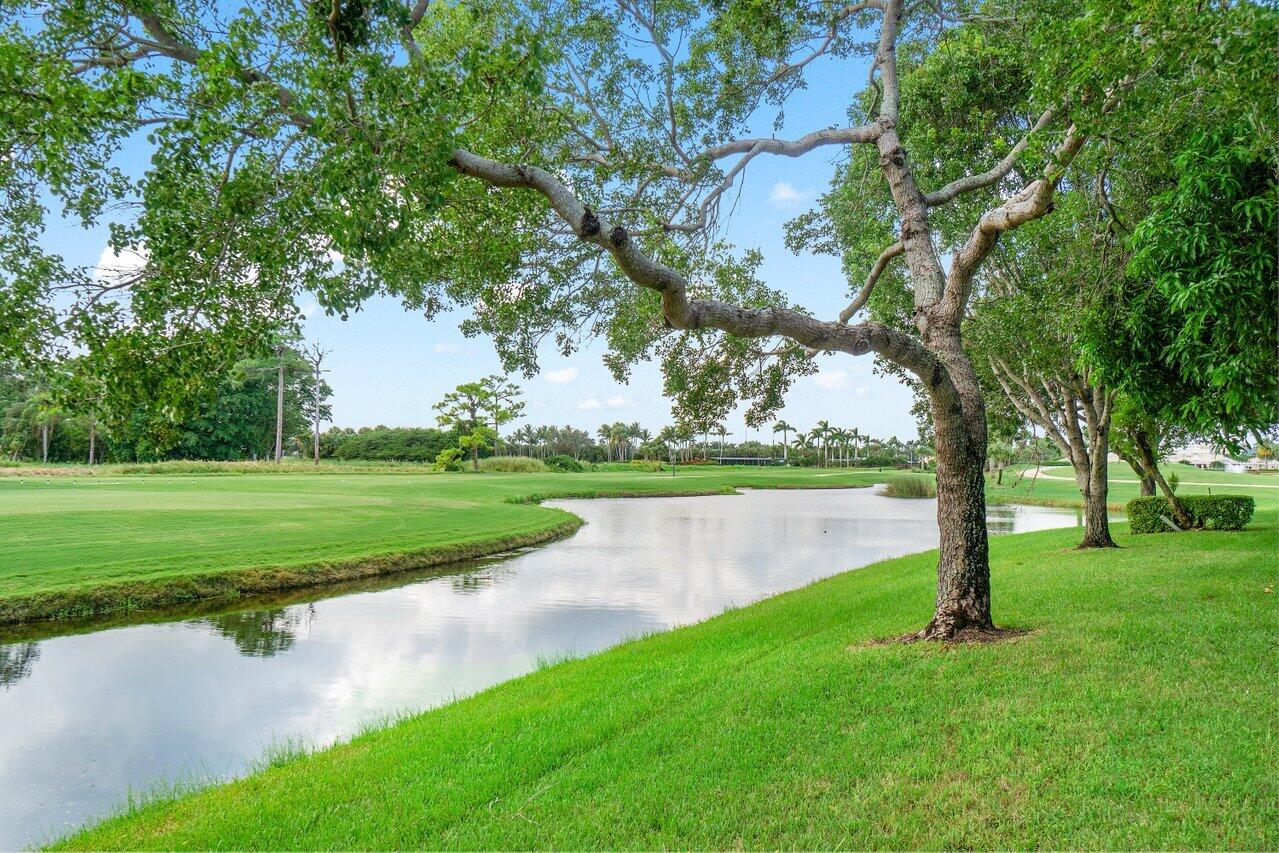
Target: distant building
{"points": [[1203, 455]]}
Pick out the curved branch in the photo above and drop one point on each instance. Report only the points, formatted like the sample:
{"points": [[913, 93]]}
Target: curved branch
{"points": [[881, 264], [683, 312], [969, 183], [864, 133]]}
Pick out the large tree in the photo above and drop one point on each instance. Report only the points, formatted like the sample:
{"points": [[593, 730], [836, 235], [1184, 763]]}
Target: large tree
{"points": [[357, 147]]}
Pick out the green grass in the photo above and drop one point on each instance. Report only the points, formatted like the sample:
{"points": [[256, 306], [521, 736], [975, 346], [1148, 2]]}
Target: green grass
{"points": [[74, 546], [910, 486], [1124, 486], [1140, 713]]}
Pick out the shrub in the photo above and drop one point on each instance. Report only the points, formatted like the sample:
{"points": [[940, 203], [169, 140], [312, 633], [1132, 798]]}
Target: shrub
{"points": [[910, 487], [449, 459], [566, 464], [513, 465], [1212, 512]]}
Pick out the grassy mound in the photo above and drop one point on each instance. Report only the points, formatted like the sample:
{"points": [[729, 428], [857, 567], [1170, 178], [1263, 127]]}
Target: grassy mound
{"points": [[1139, 712], [910, 487], [512, 465]]}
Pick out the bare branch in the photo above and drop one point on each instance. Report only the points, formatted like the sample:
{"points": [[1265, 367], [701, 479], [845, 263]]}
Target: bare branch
{"points": [[881, 264], [973, 182]]}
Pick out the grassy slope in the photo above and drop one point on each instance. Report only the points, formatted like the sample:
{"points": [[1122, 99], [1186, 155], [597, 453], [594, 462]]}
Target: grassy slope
{"points": [[1141, 714], [81, 545], [1124, 486]]}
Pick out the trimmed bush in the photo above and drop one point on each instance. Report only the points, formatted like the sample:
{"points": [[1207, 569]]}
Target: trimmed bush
{"points": [[910, 487], [562, 463], [512, 465], [1211, 512]]}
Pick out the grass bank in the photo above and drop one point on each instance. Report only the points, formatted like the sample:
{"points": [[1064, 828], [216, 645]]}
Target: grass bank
{"points": [[73, 547], [1055, 486], [1140, 713]]}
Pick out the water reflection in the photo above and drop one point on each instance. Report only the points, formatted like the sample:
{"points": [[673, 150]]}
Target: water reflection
{"points": [[263, 633], [87, 717], [16, 662]]}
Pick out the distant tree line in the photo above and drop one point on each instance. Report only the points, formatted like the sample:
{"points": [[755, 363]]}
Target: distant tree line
{"points": [[43, 420]]}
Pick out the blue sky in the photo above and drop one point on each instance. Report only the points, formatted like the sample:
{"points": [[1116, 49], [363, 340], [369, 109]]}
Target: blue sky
{"points": [[388, 366]]}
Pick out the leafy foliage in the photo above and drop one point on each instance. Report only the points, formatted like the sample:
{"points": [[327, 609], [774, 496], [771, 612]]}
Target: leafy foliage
{"points": [[1197, 338], [1212, 512]]}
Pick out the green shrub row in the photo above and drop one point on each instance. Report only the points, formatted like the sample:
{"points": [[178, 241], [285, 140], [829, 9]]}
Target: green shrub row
{"points": [[1212, 512]]}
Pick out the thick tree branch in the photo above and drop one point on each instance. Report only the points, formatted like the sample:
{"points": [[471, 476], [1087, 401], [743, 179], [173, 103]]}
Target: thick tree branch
{"points": [[1031, 202], [683, 312]]}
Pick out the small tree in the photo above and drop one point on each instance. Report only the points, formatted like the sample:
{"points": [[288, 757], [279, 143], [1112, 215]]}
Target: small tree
{"points": [[477, 404]]}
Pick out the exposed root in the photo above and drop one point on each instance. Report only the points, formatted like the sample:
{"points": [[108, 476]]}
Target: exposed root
{"points": [[963, 636]]}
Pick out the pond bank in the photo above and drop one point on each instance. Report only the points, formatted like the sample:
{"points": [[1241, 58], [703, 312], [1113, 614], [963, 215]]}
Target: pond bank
{"points": [[1130, 718]]}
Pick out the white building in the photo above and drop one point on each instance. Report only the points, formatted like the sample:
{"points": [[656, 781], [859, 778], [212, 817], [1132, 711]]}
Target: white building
{"points": [[1203, 455]]}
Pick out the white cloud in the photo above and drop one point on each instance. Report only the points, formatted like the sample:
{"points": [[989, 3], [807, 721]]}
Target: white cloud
{"points": [[861, 391], [785, 195], [446, 349], [831, 380], [617, 401], [561, 377], [112, 267]]}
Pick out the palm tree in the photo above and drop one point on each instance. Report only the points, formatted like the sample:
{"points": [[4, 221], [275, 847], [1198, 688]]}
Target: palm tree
{"points": [[606, 440], [822, 433], [783, 428], [525, 435], [802, 440], [839, 436], [854, 435], [721, 432]]}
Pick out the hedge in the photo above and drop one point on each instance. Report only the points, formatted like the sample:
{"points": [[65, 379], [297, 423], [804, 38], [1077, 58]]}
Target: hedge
{"points": [[1213, 512]]}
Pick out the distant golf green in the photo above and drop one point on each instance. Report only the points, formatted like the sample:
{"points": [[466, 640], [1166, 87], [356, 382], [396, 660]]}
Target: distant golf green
{"points": [[90, 542], [74, 545]]}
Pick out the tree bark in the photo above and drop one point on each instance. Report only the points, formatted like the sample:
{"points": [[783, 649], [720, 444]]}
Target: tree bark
{"points": [[1144, 476], [1096, 494], [963, 569], [279, 411], [93, 440], [315, 437], [44, 444], [1151, 464]]}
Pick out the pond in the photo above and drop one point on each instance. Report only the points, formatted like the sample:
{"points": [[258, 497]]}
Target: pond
{"points": [[87, 719]]}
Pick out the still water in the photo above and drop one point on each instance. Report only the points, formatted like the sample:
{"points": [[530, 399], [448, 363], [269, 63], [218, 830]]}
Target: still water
{"points": [[86, 719]]}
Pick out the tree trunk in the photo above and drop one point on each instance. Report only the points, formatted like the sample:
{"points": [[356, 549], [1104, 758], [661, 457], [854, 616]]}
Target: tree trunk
{"points": [[315, 437], [93, 440], [44, 444], [1144, 476], [279, 412], [1096, 495], [1148, 461], [963, 567]]}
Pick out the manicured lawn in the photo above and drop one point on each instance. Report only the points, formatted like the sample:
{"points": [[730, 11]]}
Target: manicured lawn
{"points": [[1124, 487], [79, 545], [1141, 713]]}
